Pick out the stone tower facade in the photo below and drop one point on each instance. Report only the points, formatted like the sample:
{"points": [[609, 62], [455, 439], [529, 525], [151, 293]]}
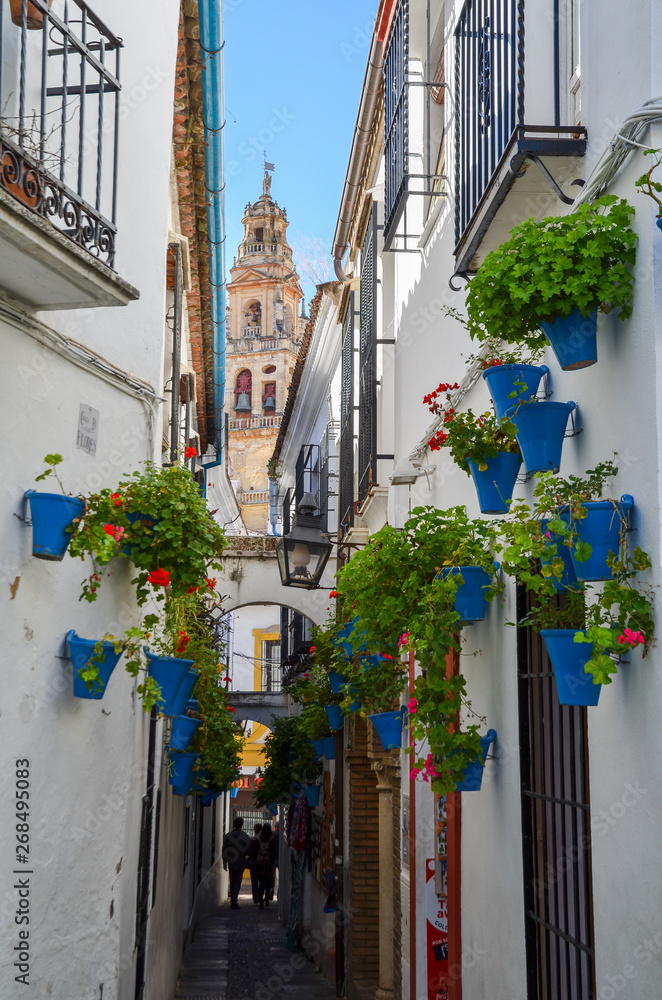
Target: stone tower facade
{"points": [[264, 331]]}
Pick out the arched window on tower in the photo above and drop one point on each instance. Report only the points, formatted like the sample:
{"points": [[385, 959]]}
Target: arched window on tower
{"points": [[269, 397], [253, 314], [243, 392]]}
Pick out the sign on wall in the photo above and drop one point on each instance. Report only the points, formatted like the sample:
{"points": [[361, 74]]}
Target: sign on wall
{"points": [[436, 908], [88, 429]]}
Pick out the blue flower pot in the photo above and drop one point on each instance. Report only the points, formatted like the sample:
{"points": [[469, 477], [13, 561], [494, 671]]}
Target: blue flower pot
{"points": [[573, 339], [501, 381], [273, 808], [207, 797], [495, 484], [181, 766], [329, 747], [336, 680], [234, 792], [51, 515], [312, 793], [658, 223], [334, 715], [568, 576], [81, 651], [389, 728], [182, 731], [473, 773], [200, 779], [319, 747], [470, 602], [168, 672], [342, 638], [574, 686], [182, 789], [601, 529], [182, 699], [540, 432]]}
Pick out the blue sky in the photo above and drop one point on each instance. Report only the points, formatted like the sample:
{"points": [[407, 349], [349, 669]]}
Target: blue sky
{"points": [[293, 74]]}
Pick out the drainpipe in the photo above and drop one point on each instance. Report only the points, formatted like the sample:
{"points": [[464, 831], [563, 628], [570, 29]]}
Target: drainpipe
{"points": [[211, 43], [273, 505]]}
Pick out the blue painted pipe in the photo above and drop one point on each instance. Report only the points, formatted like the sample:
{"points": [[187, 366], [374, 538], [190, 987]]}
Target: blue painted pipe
{"points": [[211, 42]]}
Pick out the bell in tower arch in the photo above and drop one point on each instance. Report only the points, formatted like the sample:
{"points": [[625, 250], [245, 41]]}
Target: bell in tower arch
{"points": [[243, 392]]}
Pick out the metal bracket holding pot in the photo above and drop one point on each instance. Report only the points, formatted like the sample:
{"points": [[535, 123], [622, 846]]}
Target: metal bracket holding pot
{"points": [[575, 428], [24, 516]]}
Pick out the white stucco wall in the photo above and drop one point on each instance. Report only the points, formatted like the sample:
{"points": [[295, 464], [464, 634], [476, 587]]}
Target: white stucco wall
{"points": [[88, 758]]}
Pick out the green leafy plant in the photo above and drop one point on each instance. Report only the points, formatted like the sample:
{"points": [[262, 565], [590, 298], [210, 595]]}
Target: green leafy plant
{"points": [[647, 185], [401, 600], [607, 617], [52, 461], [546, 269], [159, 519], [289, 758], [472, 438]]}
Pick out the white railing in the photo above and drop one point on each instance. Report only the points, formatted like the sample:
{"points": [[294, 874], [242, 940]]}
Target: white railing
{"points": [[251, 331], [266, 248], [254, 496], [250, 423]]}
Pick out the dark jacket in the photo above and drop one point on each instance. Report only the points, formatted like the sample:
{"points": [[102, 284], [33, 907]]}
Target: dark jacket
{"points": [[236, 845], [255, 848]]}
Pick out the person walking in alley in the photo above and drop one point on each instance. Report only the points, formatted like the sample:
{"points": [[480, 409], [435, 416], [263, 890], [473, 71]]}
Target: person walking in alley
{"points": [[262, 854], [236, 846], [276, 845], [253, 850]]}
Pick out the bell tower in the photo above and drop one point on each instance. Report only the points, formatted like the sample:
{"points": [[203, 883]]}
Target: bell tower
{"points": [[264, 331]]}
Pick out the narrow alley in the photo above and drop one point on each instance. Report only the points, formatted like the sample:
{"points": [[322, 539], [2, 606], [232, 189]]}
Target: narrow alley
{"points": [[242, 955]]}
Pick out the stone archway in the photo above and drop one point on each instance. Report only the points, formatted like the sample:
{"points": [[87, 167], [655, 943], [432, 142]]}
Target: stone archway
{"points": [[250, 576]]}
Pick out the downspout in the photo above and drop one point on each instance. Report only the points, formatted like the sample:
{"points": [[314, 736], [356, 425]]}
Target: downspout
{"points": [[273, 506], [211, 43]]}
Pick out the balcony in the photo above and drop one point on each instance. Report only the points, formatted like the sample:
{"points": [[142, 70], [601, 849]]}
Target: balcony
{"points": [[505, 170], [59, 154], [252, 423]]}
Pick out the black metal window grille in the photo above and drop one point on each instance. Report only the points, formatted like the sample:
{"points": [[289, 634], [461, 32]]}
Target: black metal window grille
{"points": [[59, 119], [271, 668], [326, 473], [307, 472], [346, 480], [367, 360], [396, 115], [556, 832], [489, 95]]}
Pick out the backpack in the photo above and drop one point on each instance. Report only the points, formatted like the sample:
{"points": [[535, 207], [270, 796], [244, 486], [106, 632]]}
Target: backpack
{"points": [[263, 860]]}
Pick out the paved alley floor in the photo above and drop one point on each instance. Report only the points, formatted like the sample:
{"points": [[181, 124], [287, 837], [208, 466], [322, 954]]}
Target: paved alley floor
{"points": [[242, 955]]}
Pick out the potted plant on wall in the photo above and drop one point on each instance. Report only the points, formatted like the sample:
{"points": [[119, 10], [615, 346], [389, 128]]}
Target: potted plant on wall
{"points": [[34, 17], [485, 447], [54, 515], [647, 185], [554, 276]]}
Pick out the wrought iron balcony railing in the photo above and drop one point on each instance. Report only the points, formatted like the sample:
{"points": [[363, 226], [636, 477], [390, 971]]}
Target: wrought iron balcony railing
{"points": [[59, 117]]}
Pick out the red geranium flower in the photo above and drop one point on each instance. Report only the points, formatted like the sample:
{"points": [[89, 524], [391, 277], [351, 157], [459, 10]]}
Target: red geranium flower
{"points": [[159, 578], [333, 593], [192, 590], [190, 453], [231, 709], [211, 583], [116, 498], [183, 642]]}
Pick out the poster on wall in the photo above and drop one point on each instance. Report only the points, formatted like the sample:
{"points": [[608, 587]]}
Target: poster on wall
{"points": [[436, 909]]}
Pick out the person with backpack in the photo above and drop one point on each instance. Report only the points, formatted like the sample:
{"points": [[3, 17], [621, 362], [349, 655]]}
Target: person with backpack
{"points": [[263, 856]]}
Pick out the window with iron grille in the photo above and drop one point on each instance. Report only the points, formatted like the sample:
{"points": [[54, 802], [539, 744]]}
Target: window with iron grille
{"points": [[396, 115], [556, 824], [489, 95], [271, 670], [367, 360], [346, 480], [59, 120]]}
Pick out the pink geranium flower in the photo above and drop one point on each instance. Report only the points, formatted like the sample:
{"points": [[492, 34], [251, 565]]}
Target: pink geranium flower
{"points": [[412, 705], [631, 638]]}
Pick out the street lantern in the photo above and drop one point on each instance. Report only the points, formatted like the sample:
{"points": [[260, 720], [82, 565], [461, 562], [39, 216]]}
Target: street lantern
{"points": [[304, 552]]}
